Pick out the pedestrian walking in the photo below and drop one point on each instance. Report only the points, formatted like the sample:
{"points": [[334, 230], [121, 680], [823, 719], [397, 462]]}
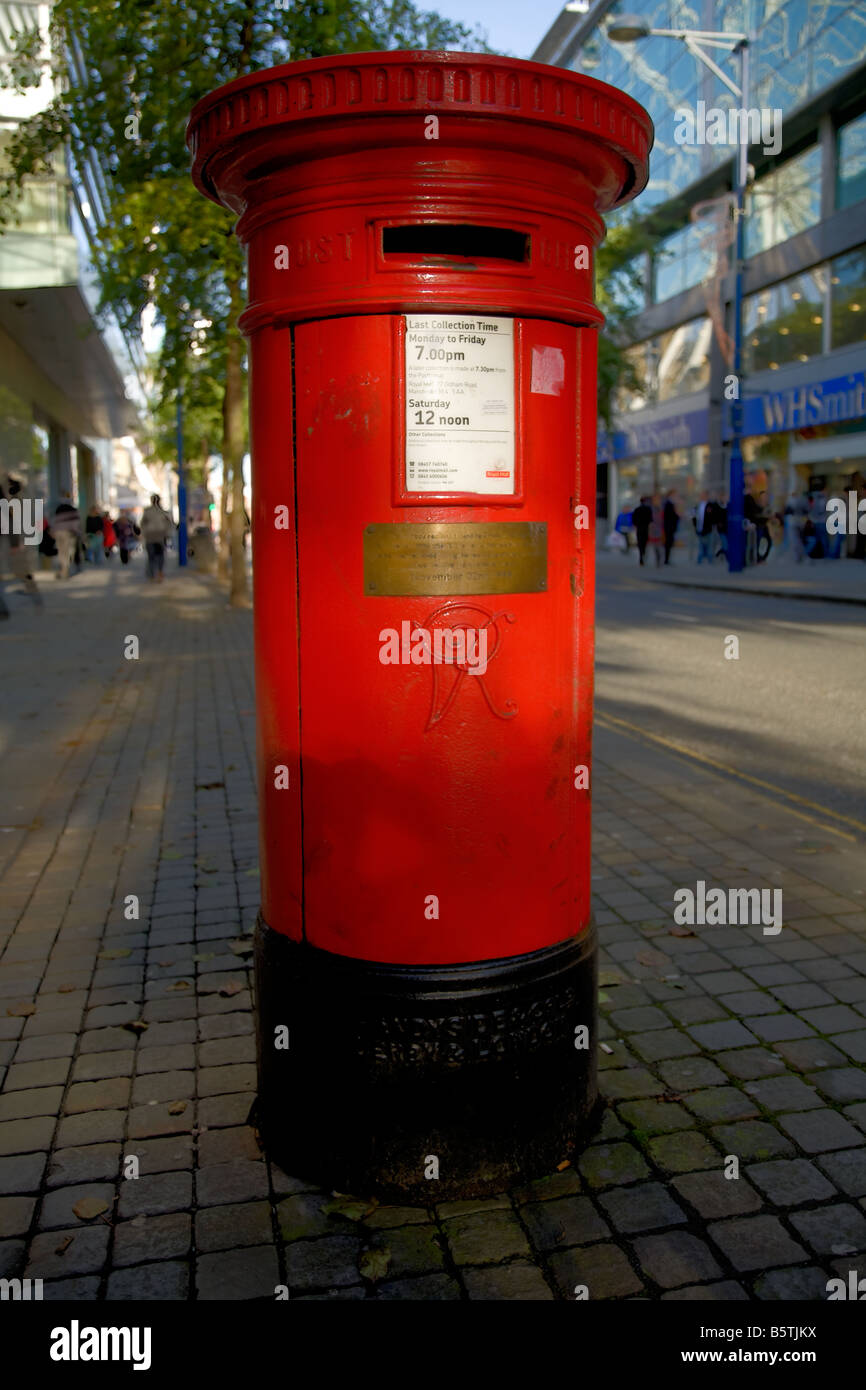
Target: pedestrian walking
{"points": [[656, 529], [109, 535], [66, 527], [704, 522], [670, 523], [19, 551], [93, 536], [641, 520], [720, 526], [156, 527], [126, 532]]}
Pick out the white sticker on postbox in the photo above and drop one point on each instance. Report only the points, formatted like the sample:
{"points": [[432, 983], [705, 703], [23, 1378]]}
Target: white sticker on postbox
{"points": [[459, 382]]}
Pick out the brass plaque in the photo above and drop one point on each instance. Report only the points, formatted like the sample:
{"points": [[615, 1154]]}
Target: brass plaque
{"points": [[455, 557]]}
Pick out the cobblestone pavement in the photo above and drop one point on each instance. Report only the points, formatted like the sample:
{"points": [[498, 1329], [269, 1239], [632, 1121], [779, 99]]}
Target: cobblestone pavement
{"points": [[125, 1038]]}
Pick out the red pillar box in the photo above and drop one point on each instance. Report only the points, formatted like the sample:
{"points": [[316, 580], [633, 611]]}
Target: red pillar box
{"points": [[421, 229]]}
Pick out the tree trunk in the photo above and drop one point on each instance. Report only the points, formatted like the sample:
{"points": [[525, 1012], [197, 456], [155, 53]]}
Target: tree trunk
{"points": [[223, 553], [234, 439]]}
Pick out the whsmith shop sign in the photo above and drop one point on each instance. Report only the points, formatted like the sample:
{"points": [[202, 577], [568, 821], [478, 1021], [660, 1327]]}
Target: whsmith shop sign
{"points": [[834, 401]]}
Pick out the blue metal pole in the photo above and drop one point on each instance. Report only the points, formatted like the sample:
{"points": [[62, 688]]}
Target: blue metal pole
{"points": [[736, 478], [181, 486]]}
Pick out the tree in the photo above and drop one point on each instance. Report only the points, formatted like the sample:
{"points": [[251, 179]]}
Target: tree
{"points": [[619, 293], [127, 74]]}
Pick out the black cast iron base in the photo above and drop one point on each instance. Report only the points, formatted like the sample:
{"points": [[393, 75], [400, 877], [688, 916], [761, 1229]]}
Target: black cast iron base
{"points": [[394, 1074]]}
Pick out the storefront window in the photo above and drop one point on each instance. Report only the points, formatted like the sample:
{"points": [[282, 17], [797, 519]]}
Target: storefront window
{"points": [[848, 298], [23, 446], [851, 162], [681, 261], [784, 202], [684, 359], [785, 323]]}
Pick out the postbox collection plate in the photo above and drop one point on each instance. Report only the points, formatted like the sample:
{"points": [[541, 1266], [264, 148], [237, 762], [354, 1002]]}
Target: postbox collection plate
{"points": [[446, 557]]}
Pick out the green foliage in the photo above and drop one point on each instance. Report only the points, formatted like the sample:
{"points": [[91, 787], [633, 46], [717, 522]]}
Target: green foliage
{"points": [[619, 289]]}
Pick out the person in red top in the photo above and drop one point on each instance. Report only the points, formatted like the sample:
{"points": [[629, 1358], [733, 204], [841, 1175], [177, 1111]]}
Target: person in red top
{"points": [[109, 537]]}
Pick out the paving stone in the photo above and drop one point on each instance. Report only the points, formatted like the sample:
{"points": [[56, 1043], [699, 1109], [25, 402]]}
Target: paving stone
{"points": [[238, 1181], [725, 1292], [564, 1221], [514, 1282], [227, 1227], [153, 1196], [565, 1184], [770, 975], [486, 1238], [357, 1291], [163, 1086], [852, 1044], [26, 1136], [654, 1117], [84, 1290], [12, 1256], [412, 1249], [818, 1131], [792, 1285], [663, 1043], [167, 1281], [56, 1210], [683, 1152], [847, 1170], [306, 1215], [753, 1139], [99, 1066], [608, 1165], [640, 1208], [223, 1051], [152, 1238], [16, 1213], [702, 1009], [161, 1155], [45, 1046], [776, 1027], [173, 1057], [804, 996], [638, 1020], [857, 1114], [331, 1262], [751, 1063], [754, 1242], [782, 1093], [721, 1103], [691, 1073], [221, 1111], [218, 1081], [834, 1018], [676, 1258], [22, 1173], [24, 1075], [105, 1040], [150, 1121], [97, 1095], [714, 1036], [383, 1218], [789, 1182], [602, 1269], [52, 1258], [751, 1003], [24, 1105], [715, 1196], [629, 1084], [835, 1230], [223, 1145], [430, 1288], [85, 1164], [808, 1054], [842, 1083]]}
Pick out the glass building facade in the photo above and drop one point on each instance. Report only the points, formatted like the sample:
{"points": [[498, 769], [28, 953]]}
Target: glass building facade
{"points": [[803, 378]]}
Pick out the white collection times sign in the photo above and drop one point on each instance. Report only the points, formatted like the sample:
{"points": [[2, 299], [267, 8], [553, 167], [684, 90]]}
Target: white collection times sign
{"points": [[459, 382]]}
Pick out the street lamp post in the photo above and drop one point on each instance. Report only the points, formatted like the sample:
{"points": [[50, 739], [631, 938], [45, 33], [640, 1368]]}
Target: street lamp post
{"points": [[181, 485], [626, 29]]}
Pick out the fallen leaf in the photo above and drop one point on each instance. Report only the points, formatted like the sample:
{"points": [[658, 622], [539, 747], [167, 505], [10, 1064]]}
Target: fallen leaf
{"points": [[350, 1209], [253, 873], [561, 1167], [374, 1263], [119, 953], [241, 948], [66, 989], [164, 964], [88, 1207], [681, 931], [137, 1025], [177, 1107], [21, 1010], [231, 987], [204, 955], [651, 959], [64, 1245], [172, 854], [179, 984]]}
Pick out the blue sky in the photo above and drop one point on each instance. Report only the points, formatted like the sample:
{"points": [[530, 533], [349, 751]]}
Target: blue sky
{"points": [[513, 26]]}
